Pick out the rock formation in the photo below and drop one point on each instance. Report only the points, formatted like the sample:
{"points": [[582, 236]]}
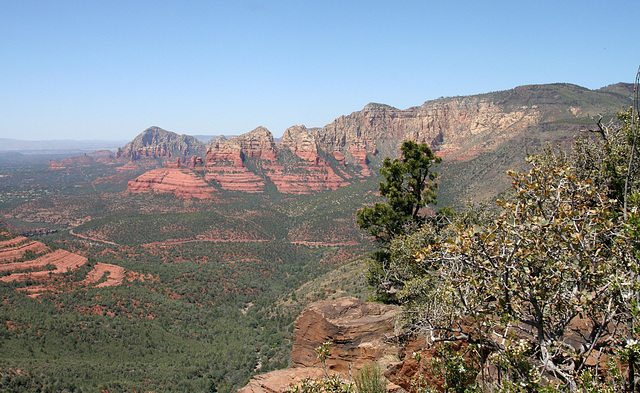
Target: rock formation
{"points": [[360, 332], [225, 161], [181, 182], [352, 147], [301, 142], [306, 171], [154, 142], [258, 144], [83, 160], [41, 268]]}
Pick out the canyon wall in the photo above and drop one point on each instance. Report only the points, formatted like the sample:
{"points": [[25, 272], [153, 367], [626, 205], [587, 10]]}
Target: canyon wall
{"points": [[351, 148]]}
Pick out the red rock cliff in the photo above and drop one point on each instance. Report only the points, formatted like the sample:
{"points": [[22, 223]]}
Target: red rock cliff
{"points": [[358, 331], [351, 147]]}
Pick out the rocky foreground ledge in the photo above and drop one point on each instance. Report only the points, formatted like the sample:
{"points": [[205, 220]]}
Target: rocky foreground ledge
{"points": [[360, 332]]}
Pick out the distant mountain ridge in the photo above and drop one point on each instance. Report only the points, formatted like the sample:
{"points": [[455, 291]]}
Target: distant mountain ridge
{"points": [[10, 144], [155, 142], [351, 148]]}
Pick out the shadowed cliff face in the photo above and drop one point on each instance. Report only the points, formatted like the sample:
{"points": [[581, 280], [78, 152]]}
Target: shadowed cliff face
{"points": [[316, 160], [294, 167], [154, 142], [352, 147]]}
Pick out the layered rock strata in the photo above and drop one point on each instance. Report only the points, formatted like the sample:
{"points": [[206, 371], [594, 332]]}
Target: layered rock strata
{"points": [[358, 331], [41, 269], [181, 182], [225, 160], [352, 147], [309, 172]]}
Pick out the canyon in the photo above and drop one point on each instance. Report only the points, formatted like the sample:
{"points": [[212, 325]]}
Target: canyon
{"points": [[190, 260]]}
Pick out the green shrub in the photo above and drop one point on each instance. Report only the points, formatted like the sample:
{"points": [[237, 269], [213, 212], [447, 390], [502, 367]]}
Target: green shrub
{"points": [[332, 384], [369, 379]]}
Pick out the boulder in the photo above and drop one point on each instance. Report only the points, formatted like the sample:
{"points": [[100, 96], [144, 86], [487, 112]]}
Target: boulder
{"points": [[359, 332]]}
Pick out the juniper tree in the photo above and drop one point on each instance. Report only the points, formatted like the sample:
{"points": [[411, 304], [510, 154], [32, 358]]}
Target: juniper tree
{"points": [[409, 185]]}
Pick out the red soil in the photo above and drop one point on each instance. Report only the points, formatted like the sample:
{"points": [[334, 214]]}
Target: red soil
{"points": [[115, 274], [13, 249], [64, 261]]}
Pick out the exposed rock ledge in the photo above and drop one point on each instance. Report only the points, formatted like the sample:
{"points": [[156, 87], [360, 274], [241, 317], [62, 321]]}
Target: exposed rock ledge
{"points": [[181, 182], [359, 333]]}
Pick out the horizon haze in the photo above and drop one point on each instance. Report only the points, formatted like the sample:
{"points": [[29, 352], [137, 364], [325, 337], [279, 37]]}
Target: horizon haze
{"points": [[75, 70]]}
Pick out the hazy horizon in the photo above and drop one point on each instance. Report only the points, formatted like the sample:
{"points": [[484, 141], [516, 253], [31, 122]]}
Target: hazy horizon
{"points": [[86, 70]]}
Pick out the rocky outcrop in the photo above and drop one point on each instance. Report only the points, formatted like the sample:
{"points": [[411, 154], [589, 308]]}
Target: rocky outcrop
{"points": [[447, 125], [301, 142], [359, 332], [294, 167], [258, 144], [278, 381], [225, 161], [154, 142], [181, 182], [255, 144], [41, 270], [306, 171], [235, 178], [459, 129], [352, 147], [453, 125], [228, 151]]}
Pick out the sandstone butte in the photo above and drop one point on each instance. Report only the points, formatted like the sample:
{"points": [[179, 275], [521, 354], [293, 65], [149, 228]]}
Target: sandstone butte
{"points": [[350, 148], [181, 182], [225, 165]]}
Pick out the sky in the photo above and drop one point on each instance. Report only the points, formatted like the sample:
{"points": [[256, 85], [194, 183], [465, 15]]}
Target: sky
{"points": [[110, 69]]}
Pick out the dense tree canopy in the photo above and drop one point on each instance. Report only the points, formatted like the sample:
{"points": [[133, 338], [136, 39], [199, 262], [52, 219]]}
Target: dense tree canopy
{"points": [[408, 187]]}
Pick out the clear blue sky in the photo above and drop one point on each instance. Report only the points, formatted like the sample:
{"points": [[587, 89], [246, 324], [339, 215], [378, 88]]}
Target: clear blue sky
{"points": [[109, 69]]}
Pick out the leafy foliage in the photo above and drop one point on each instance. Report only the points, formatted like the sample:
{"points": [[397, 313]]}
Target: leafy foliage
{"points": [[332, 384], [409, 186], [547, 280]]}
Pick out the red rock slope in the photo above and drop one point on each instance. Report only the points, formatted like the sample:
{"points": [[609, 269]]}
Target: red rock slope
{"points": [[181, 182], [352, 147], [38, 267]]}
